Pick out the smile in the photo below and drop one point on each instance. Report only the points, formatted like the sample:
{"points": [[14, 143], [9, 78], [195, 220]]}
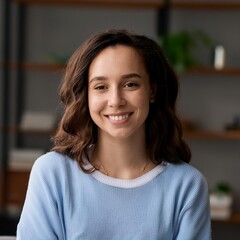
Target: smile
{"points": [[119, 117]]}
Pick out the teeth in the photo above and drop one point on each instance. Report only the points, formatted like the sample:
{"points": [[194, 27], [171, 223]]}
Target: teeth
{"points": [[118, 118]]}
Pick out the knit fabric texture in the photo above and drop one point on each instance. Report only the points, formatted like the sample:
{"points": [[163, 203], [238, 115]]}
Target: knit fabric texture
{"points": [[64, 203]]}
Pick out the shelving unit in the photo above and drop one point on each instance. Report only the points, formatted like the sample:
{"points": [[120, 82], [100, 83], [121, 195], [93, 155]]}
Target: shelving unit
{"points": [[226, 71], [181, 4], [53, 67], [159, 5], [211, 135]]}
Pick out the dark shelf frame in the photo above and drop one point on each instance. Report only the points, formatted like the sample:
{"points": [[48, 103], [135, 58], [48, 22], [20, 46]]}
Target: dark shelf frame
{"points": [[20, 72], [6, 20]]}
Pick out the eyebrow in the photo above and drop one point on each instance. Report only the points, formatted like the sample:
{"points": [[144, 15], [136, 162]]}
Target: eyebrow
{"points": [[125, 76]]}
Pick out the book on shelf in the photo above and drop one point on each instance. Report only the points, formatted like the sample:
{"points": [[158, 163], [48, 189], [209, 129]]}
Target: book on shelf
{"points": [[37, 121], [23, 159]]}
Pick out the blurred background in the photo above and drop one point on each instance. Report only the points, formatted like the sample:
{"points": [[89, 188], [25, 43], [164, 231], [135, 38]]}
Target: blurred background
{"points": [[201, 40]]}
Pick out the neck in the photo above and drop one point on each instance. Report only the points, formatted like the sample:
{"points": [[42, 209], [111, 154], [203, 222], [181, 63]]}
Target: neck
{"points": [[124, 159]]}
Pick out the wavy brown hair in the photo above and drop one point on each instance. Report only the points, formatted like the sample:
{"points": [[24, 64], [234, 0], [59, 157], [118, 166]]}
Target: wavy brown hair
{"points": [[77, 131]]}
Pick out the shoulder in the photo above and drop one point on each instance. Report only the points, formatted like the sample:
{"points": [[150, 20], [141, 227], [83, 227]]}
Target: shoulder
{"points": [[185, 171], [52, 165], [53, 173], [189, 189], [185, 178], [50, 159]]}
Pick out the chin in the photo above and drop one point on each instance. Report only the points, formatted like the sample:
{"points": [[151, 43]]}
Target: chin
{"points": [[122, 134]]}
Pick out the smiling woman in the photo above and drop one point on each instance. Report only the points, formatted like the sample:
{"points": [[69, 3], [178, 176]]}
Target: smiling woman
{"points": [[119, 94], [119, 168]]}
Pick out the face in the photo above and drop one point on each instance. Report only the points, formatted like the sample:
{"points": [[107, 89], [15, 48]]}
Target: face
{"points": [[119, 92]]}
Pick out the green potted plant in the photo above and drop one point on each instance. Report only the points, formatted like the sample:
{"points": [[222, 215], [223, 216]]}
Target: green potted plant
{"points": [[221, 200], [179, 48]]}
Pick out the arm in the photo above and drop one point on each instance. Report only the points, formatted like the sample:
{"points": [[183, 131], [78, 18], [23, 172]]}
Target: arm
{"points": [[194, 219], [41, 218]]}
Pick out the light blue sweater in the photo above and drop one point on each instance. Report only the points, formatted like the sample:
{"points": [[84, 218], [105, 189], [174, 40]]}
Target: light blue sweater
{"points": [[62, 202]]}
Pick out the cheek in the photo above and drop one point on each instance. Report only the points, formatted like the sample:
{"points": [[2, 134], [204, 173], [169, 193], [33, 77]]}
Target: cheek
{"points": [[142, 100], [143, 104], [94, 103]]}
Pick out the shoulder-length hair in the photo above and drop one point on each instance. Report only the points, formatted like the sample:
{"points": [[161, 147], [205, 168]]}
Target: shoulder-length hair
{"points": [[77, 131]]}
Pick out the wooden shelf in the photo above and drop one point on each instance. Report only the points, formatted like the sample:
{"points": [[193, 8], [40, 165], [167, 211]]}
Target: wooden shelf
{"points": [[208, 135], [178, 4], [205, 4], [98, 3], [17, 182], [189, 134], [193, 134], [31, 66], [234, 219], [13, 129], [10, 129], [227, 71], [1, 188], [54, 67], [35, 131]]}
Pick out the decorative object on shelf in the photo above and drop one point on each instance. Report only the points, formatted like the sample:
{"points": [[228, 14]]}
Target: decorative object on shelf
{"points": [[221, 200], [23, 159], [234, 125], [179, 47], [219, 57], [37, 121]]}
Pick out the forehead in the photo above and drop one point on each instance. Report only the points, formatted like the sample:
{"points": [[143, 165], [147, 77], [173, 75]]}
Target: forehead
{"points": [[120, 48], [117, 63], [116, 56]]}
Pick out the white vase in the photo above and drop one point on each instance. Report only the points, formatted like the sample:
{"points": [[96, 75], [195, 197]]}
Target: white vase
{"points": [[221, 205]]}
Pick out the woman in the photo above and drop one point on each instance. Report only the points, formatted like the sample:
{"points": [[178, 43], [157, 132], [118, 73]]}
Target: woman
{"points": [[119, 168]]}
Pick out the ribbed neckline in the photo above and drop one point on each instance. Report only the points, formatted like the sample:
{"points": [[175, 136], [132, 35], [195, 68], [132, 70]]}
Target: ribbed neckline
{"points": [[125, 183], [130, 183]]}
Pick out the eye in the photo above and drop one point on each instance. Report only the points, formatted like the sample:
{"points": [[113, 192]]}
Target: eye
{"points": [[100, 87], [131, 85]]}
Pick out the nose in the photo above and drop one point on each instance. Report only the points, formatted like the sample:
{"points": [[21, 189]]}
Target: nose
{"points": [[116, 98]]}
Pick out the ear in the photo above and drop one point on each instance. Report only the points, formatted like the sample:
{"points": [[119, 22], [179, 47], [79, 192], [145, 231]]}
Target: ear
{"points": [[153, 91]]}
